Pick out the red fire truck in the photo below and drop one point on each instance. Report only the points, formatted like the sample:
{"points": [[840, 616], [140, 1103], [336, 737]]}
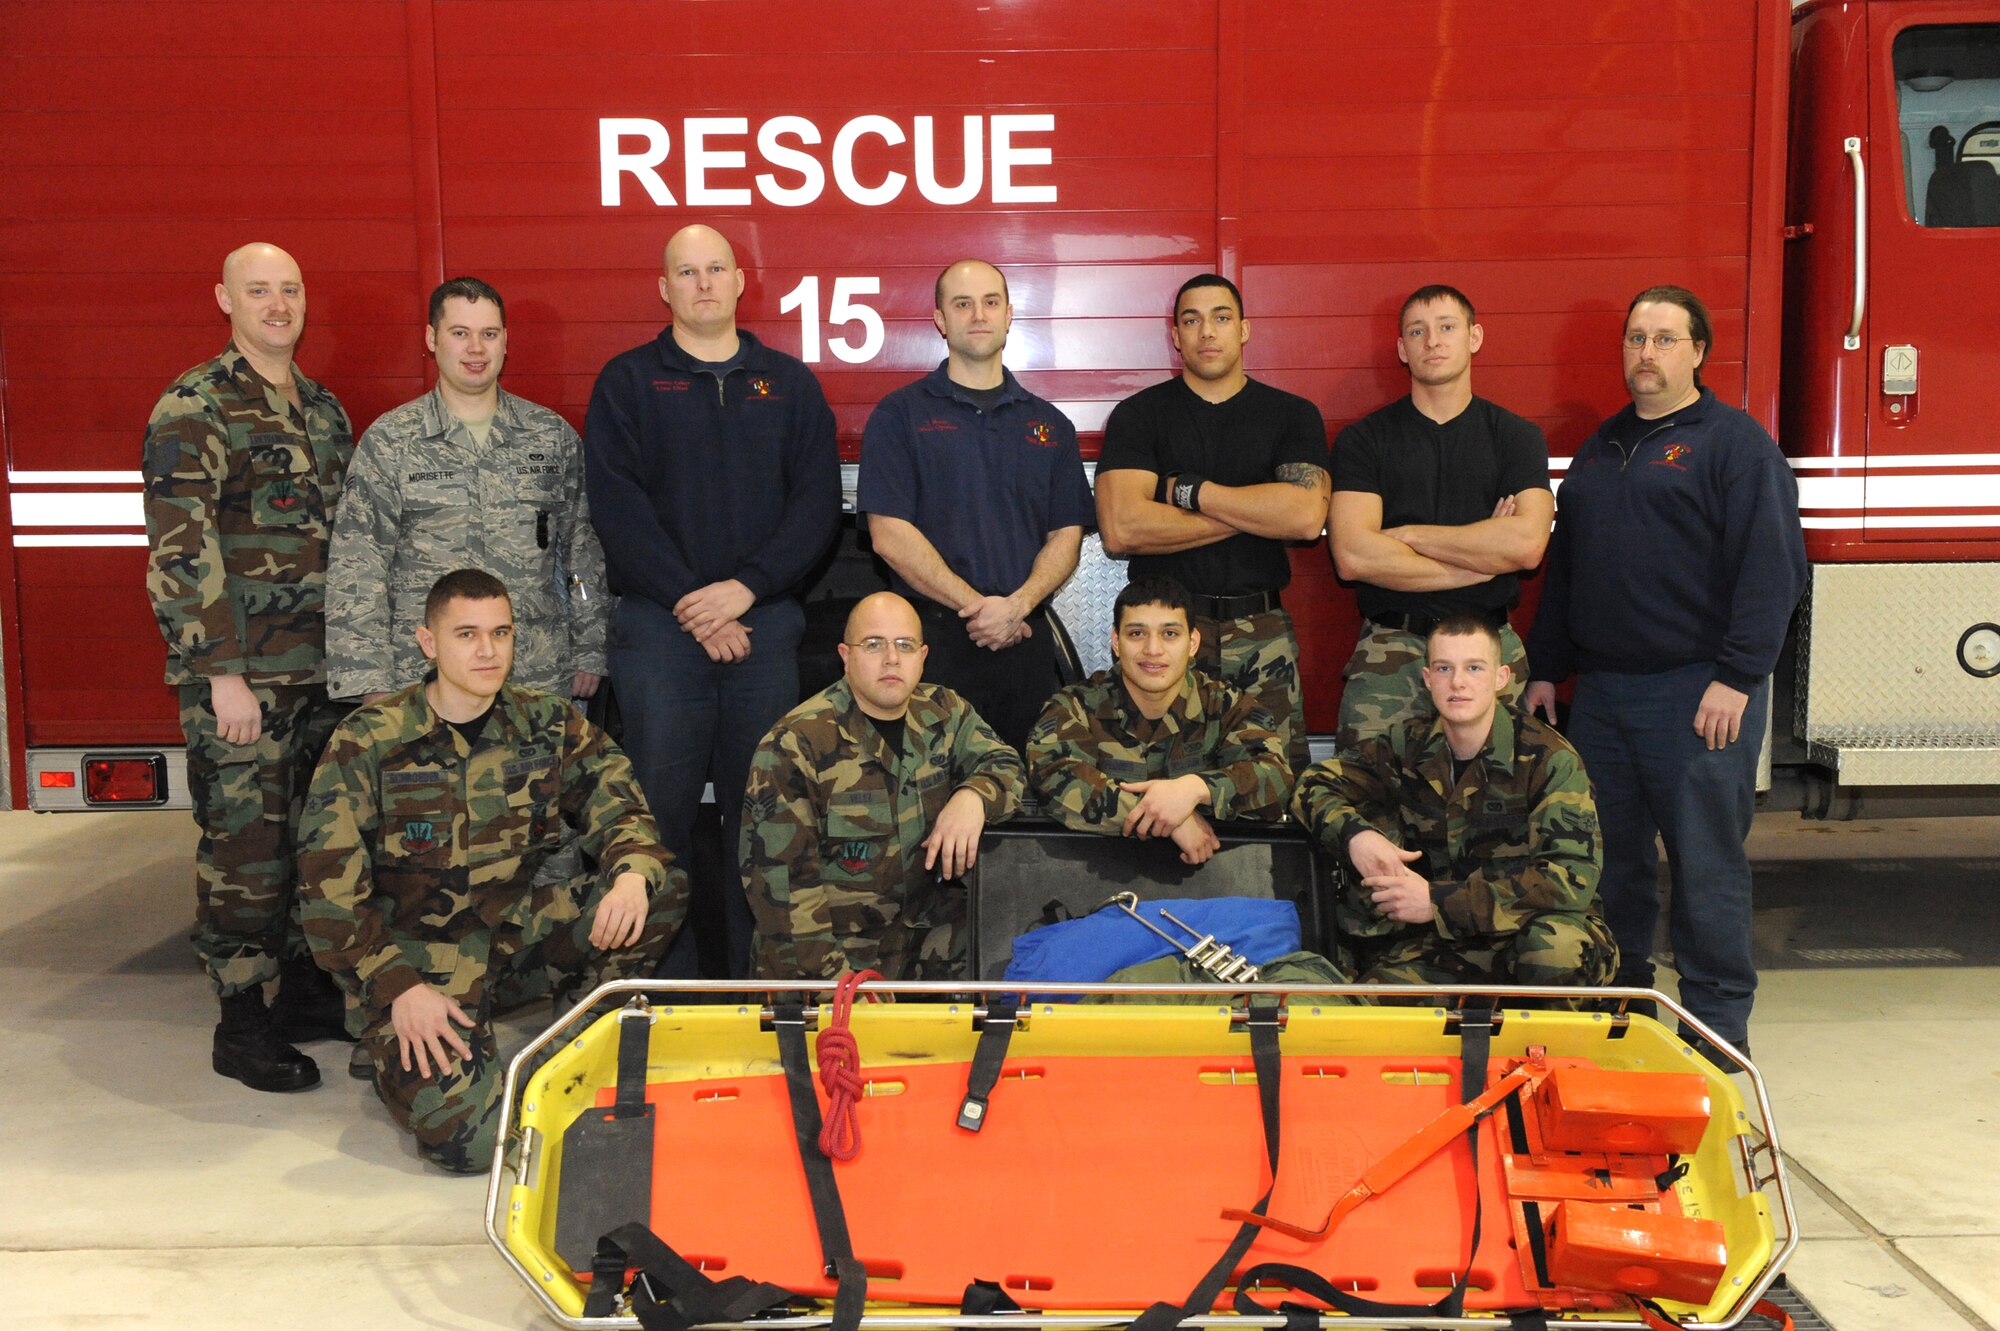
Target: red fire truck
{"points": [[1825, 178]]}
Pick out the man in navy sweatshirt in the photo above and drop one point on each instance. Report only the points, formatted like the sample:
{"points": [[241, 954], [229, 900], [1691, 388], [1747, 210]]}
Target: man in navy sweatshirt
{"points": [[1675, 564], [714, 485]]}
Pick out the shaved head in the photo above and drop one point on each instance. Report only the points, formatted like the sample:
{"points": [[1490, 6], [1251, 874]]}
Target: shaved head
{"points": [[243, 256], [265, 298], [697, 237], [701, 285], [882, 679], [968, 272], [884, 613]]}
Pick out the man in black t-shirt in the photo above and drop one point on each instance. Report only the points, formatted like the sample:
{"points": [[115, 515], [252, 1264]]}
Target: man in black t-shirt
{"points": [[1203, 479], [1440, 500]]}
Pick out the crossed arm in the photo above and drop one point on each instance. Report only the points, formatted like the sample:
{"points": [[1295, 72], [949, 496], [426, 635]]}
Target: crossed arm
{"points": [[1420, 557], [1133, 522]]}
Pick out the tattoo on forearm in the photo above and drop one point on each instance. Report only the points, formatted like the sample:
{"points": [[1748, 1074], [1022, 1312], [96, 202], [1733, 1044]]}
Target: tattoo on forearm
{"points": [[1302, 474]]}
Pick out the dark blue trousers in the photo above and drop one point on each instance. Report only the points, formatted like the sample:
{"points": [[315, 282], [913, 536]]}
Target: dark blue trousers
{"points": [[1654, 775], [689, 722]]}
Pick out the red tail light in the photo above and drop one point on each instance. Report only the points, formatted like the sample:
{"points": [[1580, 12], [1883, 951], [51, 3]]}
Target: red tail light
{"points": [[122, 780]]}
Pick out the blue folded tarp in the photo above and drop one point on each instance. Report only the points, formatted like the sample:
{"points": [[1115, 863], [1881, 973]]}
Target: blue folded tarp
{"points": [[1109, 940]]}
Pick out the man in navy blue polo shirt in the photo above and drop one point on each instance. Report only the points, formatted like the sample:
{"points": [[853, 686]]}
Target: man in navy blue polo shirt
{"points": [[977, 501], [714, 485]]}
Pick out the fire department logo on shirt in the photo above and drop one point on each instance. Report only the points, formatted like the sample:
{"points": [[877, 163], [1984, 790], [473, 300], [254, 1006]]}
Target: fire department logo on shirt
{"points": [[419, 837], [760, 387], [1040, 432], [1671, 456], [853, 856]]}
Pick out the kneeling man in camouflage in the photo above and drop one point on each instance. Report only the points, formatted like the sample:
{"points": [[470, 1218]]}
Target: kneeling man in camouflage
{"points": [[428, 818], [1472, 835]]}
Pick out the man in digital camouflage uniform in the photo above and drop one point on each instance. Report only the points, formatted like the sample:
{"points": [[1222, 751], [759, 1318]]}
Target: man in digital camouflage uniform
{"points": [[242, 461], [864, 805], [1472, 832], [1140, 750], [1441, 501], [466, 476], [1202, 479], [428, 819]]}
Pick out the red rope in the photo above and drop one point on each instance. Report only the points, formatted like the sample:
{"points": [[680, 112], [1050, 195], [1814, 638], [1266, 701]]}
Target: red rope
{"points": [[840, 1071]]}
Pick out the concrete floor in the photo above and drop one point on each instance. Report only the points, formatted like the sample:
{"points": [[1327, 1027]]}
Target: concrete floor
{"points": [[143, 1190]]}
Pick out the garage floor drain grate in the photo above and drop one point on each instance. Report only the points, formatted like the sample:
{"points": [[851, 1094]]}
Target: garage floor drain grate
{"points": [[1804, 1316], [1848, 956]]}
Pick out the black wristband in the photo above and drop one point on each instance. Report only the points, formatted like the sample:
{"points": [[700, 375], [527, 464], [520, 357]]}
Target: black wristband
{"points": [[1187, 492], [1163, 491]]}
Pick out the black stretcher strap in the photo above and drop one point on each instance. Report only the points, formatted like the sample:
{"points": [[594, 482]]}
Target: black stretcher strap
{"points": [[829, 1217], [1476, 1041], [1002, 1017], [983, 1298], [691, 1298], [634, 1040], [1263, 1026]]}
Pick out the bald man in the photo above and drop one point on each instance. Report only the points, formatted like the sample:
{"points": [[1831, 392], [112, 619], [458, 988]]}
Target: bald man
{"points": [[977, 501], [714, 486], [863, 808], [243, 462]]}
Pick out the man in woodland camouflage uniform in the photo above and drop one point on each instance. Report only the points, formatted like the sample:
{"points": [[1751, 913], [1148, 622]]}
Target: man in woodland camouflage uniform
{"points": [[466, 476], [243, 460], [428, 819], [1137, 751], [864, 805], [1495, 879]]}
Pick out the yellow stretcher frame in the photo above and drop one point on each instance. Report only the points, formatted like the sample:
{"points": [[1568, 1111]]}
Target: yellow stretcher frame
{"points": [[1735, 1174]]}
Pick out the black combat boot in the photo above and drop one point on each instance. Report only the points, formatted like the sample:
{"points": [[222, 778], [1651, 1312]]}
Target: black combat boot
{"points": [[248, 1048], [309, 1005]]}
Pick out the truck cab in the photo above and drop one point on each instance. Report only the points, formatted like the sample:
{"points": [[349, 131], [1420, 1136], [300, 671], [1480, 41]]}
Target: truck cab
{"points": [[1892, 320]]}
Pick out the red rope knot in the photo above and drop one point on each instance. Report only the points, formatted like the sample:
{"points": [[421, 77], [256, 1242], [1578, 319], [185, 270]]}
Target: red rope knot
{"points": [[840, 1071]]}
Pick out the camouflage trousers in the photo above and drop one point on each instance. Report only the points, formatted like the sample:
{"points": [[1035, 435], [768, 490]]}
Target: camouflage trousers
{"points": [[925, 941], [1383, 682], [454, 1115], [941, 939], [1553, 948], [247, 799], [1259, 655]]}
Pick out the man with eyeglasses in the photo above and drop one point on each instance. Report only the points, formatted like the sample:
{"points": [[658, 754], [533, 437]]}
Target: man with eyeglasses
{"points": [[1675, 564], [1440, 501], [864, 806], [976, 500], [1144, 749]]}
